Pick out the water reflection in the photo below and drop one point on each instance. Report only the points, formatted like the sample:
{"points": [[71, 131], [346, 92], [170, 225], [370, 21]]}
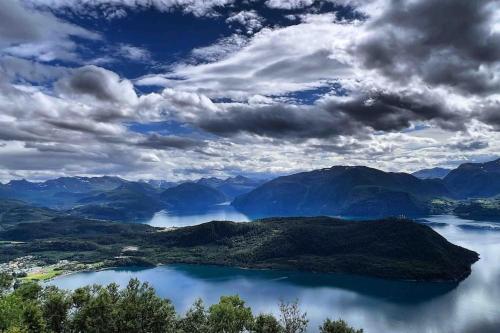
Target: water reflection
{"points": [[217, 213], [374, 304]]}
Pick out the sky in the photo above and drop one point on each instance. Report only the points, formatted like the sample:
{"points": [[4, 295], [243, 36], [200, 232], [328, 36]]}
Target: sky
{"points": [[182, 89]]}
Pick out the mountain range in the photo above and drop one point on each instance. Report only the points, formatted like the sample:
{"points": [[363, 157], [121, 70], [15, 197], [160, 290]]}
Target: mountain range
{"points": [[356, 191], [113, 198], [360, 191]]}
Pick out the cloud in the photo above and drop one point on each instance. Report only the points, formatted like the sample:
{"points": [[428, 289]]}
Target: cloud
{"points": [[398, 66], [156, 141], [415, 81], [98, 83], [469, 145], [134, 53], [289, 4], [219, 50], [273, 62], [29, 33], [391, 111], [450, 43], [277, 121], [249, 19], [195, 7]]}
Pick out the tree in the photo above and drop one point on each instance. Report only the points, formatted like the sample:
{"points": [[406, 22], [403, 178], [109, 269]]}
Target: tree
{"points": [[33, 319], [11, 312], [266, 323], [28, 291], [230, 316], [292, 319], [5, 282], [337, 326], [141, 310], [94, 309], [55, 307], [195, 320]]}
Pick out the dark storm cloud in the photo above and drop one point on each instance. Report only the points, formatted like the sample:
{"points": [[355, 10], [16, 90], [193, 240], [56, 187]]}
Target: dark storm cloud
{"points": [[279, 121], [444, 42], [155, 141], [353, 115], [384, 111], [491, 115]]}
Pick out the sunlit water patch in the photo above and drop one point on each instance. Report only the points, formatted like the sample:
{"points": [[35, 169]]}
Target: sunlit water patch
{"points": [[218, 213]]}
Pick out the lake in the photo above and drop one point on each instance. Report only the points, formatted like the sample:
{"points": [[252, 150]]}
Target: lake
{"points": [[217, 213], [376, 305]]}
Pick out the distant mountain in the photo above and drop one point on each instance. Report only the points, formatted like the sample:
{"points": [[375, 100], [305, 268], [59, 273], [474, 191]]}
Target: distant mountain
{"points": [[475, 180], [342, 190], [60, 193], [191, 197], [232, 186], [14, 211], [355, 191], [432, 173], [130, 201]]}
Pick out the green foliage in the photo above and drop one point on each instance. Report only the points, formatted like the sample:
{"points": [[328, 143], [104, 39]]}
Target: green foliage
{"points": [[29, 291], [388, 248], [11, 312], [337, 326], [140, 310], [55, 307], [479, 209], [137, 309], [95, 309], [32, 317], [5, 282], [230, 316], [292, 319], [195, 320], [266, 323]]}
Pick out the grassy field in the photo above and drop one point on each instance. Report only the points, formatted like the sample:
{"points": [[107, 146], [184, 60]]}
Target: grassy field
{"points": [[44, 275]]}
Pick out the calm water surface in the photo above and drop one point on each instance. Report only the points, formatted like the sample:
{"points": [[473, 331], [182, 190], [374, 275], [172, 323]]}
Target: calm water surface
{"points": [[218, 213], [373, 304]]}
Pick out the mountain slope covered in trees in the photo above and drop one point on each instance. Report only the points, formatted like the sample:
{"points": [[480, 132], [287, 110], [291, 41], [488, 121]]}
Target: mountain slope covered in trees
{"points": [[389, 248], [342, 190]]}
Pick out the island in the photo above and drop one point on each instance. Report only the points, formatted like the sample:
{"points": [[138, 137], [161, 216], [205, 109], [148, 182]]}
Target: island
{"points": [[387, 248]]}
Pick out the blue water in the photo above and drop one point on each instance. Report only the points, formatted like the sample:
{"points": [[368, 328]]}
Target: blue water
{"points": [[374, 304]]}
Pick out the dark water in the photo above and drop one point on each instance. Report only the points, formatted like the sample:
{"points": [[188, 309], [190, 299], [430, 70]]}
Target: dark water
{"points": [[373, 304]]}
